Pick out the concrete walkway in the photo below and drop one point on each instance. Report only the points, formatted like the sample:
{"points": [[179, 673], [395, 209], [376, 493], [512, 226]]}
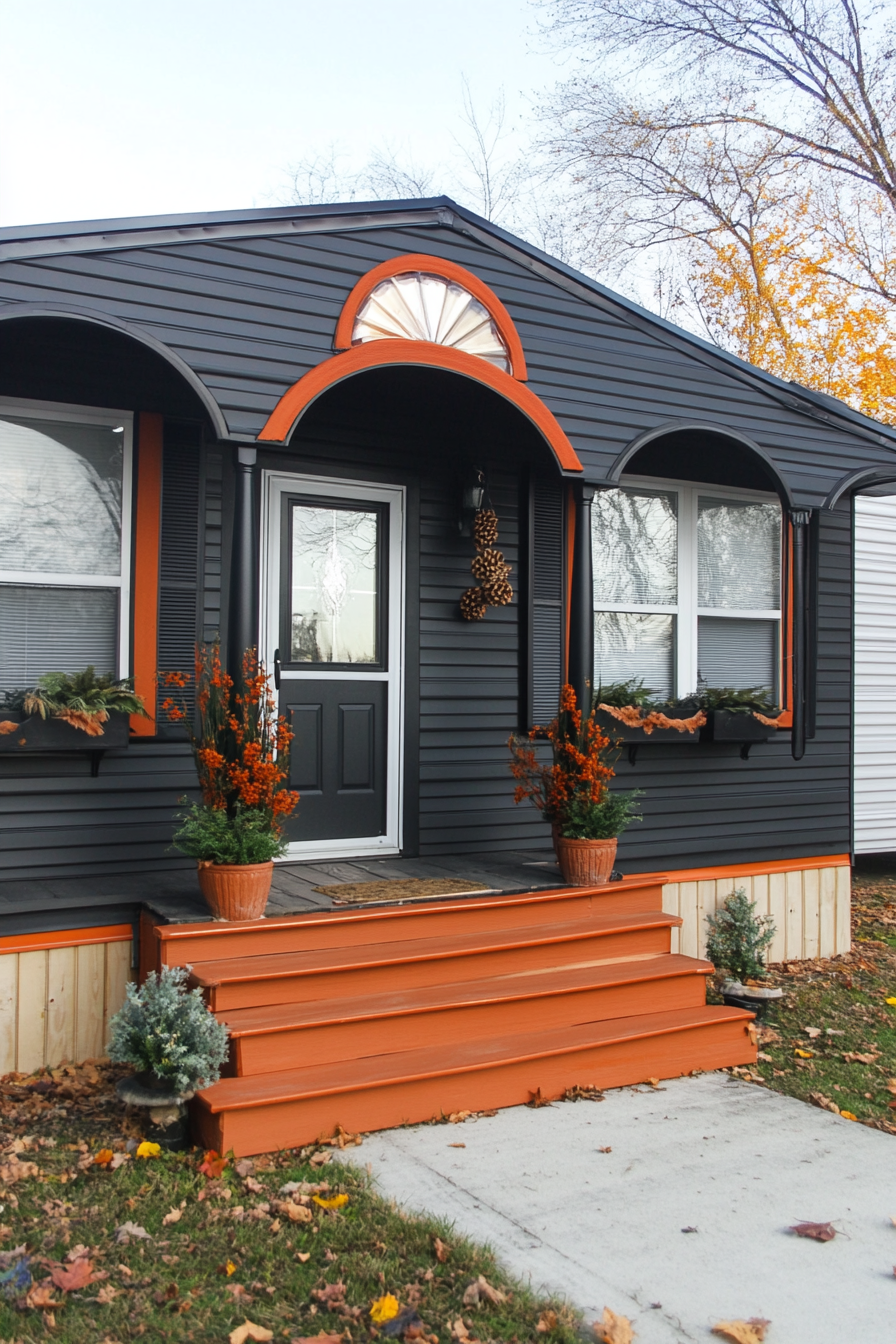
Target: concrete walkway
{"points": [[735, 1162]]}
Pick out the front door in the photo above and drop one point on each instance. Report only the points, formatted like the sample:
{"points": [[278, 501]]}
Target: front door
{"points": [[332, 627]]}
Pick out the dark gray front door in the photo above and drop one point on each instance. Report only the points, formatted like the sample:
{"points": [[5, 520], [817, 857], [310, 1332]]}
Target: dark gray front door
{"points": [[339, 649]]}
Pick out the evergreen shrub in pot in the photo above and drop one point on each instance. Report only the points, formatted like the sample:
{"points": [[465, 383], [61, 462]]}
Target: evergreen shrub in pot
{"points": [[573, 791], [241, 749]]}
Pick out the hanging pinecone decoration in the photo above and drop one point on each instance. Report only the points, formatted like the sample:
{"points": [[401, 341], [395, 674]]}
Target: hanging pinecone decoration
{"points": [[485, 528], [489, 567], [473, 605]]}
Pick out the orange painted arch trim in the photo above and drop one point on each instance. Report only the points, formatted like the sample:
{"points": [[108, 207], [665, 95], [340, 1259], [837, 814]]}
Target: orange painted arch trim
{"points": [[42, 942], [448, 270], [749, 869], [382, 354]]}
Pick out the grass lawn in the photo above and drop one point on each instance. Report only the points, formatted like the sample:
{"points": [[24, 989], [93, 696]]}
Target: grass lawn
{"points": [[214, 1249], [832, 1042]]}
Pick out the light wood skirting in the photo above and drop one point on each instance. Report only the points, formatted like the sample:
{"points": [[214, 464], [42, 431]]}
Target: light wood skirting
{"points": [[810, 907], [56, 1002]]}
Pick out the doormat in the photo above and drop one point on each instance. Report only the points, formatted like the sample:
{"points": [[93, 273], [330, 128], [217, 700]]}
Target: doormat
{"points": [[413, 888]]}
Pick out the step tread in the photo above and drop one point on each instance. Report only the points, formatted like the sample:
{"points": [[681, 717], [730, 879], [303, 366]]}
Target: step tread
{"points": [[230, 1094], [271, 965], [272, 1018], [387, 915]]}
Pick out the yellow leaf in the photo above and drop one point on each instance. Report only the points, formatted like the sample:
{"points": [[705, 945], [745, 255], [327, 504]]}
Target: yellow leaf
{"points": [[892, 1002], [384, 1309], [249, 1330], [336, 1202], [613, 1329], [742, 1332], [229, 1268], [803, 1054], [848, 1115], [148, 1149]]}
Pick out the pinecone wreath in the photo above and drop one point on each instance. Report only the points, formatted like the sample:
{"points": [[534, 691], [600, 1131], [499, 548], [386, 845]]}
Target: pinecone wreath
{"points": [[489, 567]]}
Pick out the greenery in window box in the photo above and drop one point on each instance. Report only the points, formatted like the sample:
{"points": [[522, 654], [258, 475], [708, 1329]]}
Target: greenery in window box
{"points": [[81, 699], [241, 749], [589, 820], [633, 695], [167, 1031], [738, 938]]}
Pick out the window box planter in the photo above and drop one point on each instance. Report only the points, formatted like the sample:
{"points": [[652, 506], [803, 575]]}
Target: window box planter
{"points": [[637, 736], [54, 736], [724, 726]]}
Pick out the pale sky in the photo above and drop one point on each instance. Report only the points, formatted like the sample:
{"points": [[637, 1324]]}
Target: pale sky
{"points": [[113, 107]]}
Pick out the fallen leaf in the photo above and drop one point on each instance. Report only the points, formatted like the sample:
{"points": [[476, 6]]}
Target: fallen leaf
{"points": [[848, 1115], [119, 1160], [227, 1268], [296, 1213], [811, 1032], [107, 1294], [239, 1294], [442, 1249], [14, 1170], [457, 1145], [742, 1332], [322, 1338], [173, 1217], [74, 1276], [334, 1202], [458, 1117], [815, 1231], [245, 1167], [384, 1309], [303, 1257], [891, 1002], [332, 1295], [654, 1082], [103, 1157], [481, 1288], [321, 1159], [254, 1187], [689, 1229], [853, 1058], [40, 1297], [803, 1054], [608, 1149], [819, 1099], [146, 1149], [891, 1085], [613, 1329], [760, 1054], [536, 1100], [546, 1321], [212, 1165], [127, 1230], [249, 1330]]}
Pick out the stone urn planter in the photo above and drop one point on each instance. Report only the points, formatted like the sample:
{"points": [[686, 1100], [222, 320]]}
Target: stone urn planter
{"points": [[236, 890], [169, 1124], [585, 863], [755, 998]]}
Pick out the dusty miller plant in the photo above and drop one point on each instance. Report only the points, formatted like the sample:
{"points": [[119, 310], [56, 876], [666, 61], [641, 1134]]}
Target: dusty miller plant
{"points": [[738, 937], [166, 1029]]}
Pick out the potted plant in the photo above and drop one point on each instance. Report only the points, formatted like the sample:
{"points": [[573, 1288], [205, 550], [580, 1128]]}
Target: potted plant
{"points": [[573, 792], [175, 1044], [241, 749], [65, 709], [736, 943]]}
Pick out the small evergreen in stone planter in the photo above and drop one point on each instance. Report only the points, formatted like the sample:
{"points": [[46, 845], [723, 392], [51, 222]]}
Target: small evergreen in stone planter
{"points": [[175, 1044]]}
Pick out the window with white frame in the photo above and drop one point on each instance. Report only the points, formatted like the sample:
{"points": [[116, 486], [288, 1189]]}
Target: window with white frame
{"points": [[64, 540], [687, 587]]}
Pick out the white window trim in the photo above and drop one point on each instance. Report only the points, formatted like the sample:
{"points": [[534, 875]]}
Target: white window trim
{"points": [[686, 610], [88, 415]]}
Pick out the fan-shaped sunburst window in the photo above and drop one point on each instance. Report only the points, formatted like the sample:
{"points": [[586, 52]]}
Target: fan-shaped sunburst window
{"points": [[422, 307]]}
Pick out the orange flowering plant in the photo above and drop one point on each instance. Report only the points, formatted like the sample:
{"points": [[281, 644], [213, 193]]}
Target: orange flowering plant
{"points": [[241, 748], [573, 790]]}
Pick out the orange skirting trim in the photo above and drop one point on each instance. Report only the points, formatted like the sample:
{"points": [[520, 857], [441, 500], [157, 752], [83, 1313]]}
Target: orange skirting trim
{"points": [[42, 942], [749, 869]]}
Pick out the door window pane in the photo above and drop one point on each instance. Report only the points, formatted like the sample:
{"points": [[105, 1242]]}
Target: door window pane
{"points": [[634, 543], [55, 630], [60, 497], [334, 585], [739, 554], [737, 653], [628, 645]]}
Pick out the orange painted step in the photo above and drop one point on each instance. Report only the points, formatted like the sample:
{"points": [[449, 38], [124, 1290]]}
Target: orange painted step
{"points": [[296, 977], [297, 1106], [279, 1037], [184, 944]]}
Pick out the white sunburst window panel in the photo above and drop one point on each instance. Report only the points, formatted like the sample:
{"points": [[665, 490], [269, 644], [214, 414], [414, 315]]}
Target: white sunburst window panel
{"points": [[421, 307], [687, 587]]}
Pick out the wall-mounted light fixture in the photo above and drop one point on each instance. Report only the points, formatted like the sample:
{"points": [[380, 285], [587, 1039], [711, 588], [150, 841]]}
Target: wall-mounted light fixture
{"points": [[473, 492]]}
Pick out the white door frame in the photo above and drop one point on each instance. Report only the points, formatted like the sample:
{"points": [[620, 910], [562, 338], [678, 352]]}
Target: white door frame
{"points": [[276, 484]]}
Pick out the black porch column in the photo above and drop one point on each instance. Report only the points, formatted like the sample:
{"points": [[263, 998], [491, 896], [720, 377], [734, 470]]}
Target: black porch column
{"points": [[581, 603], [799, 519], [242, 626]]}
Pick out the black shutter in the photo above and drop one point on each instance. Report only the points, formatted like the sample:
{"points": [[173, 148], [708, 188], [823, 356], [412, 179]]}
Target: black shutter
{"points": [[179, 571], [546, 597]]}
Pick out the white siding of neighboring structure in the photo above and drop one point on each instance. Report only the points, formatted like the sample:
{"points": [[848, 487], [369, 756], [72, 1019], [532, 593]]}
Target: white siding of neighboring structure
{"points": [[875, 675]]}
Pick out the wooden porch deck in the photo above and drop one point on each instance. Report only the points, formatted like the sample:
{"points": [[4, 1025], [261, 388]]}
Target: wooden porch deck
{"points": [[173, 895]]}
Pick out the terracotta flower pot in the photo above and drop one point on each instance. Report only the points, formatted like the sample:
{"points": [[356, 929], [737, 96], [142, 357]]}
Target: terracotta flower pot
{"points": [[236, 890], [585, 863]]}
